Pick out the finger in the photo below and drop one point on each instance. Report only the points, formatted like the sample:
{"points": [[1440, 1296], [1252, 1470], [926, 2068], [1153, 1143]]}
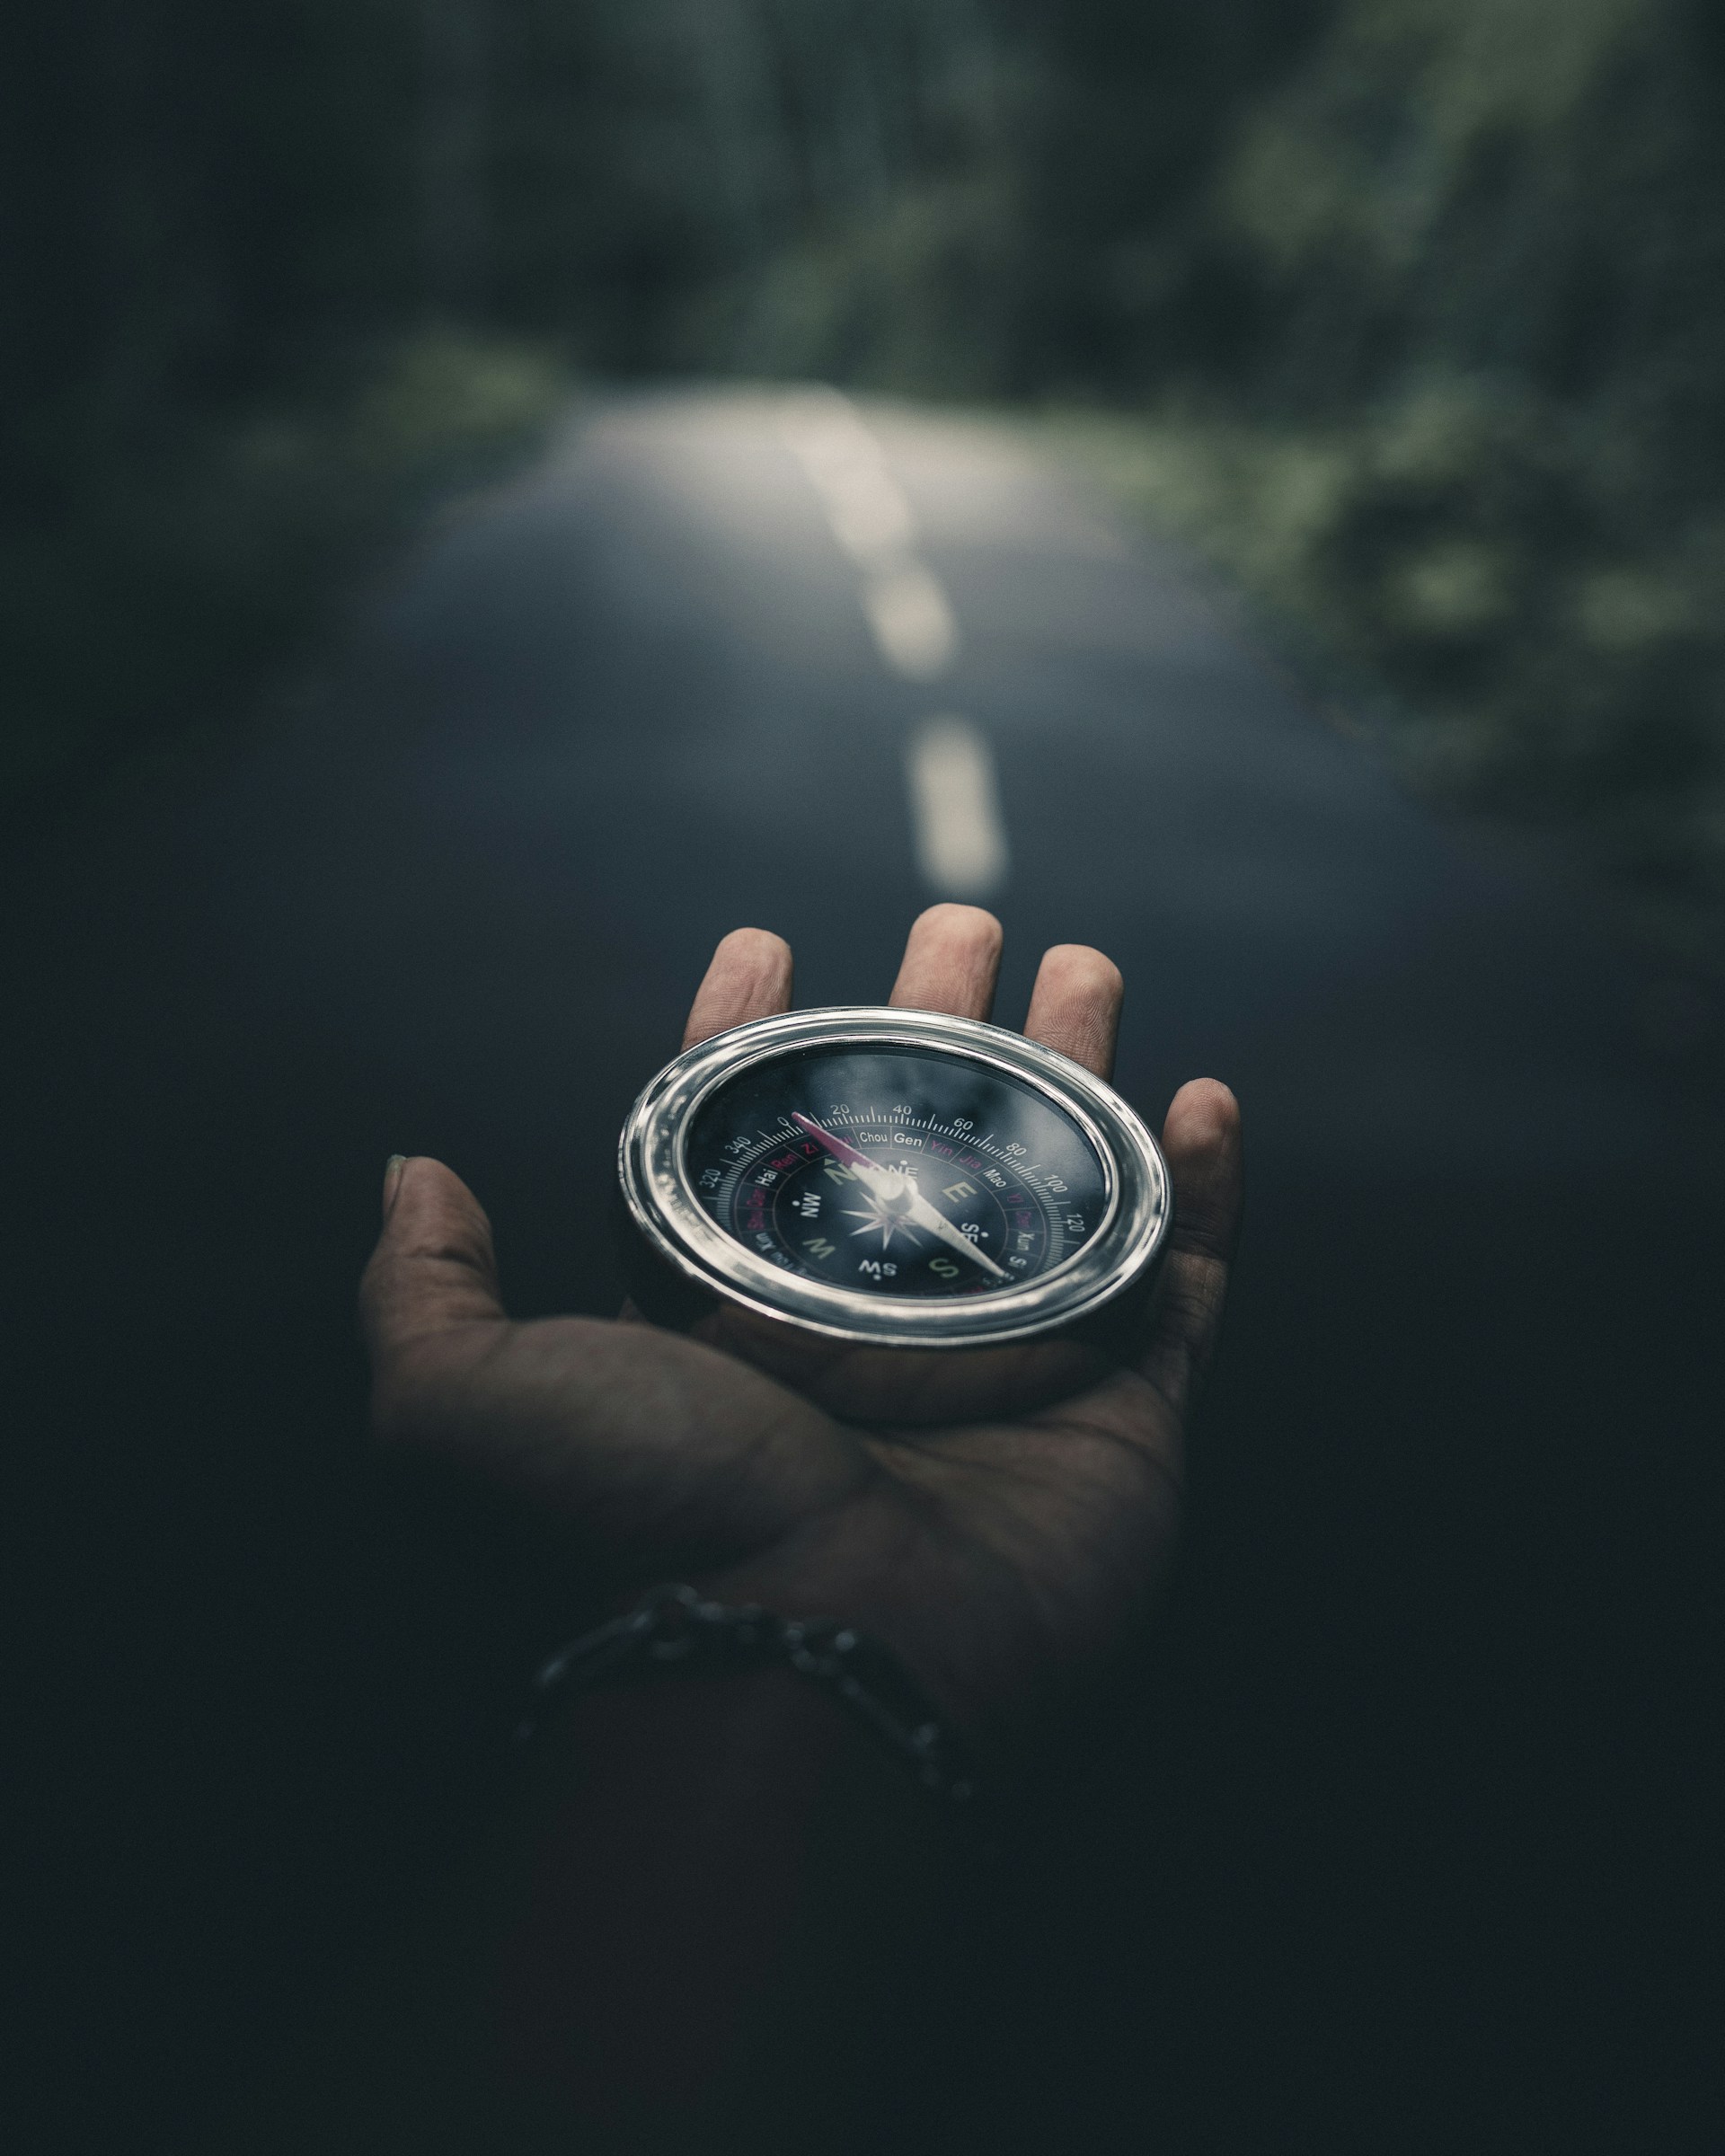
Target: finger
{"points": [[1076, 1006], [750, 978], [1201, 1140], [433, 1270], [951, 961]]}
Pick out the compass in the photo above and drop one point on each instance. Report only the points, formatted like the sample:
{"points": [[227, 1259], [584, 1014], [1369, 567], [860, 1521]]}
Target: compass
{"points": [[899, 1178]]}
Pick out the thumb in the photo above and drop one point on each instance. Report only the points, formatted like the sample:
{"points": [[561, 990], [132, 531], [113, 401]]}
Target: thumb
{"points": [[433, 1270]]}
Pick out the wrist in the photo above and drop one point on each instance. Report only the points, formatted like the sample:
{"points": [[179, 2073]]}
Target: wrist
{"points": [[677, 1633], [1010, 1661], [958, 1632]]}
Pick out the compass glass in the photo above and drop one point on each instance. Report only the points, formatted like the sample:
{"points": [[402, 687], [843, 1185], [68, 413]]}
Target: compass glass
{"points": [[896, 1171]]}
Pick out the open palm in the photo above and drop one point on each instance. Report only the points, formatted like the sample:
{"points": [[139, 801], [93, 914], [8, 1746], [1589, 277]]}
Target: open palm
{"points": [[1003, 1541]]}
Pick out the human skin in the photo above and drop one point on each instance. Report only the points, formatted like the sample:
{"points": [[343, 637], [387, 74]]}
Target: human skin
{"points": [[1001, 1554], [667, 1870]]}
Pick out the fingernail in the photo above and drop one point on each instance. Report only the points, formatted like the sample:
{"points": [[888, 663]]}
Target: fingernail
{"points": [[392, 1167]]}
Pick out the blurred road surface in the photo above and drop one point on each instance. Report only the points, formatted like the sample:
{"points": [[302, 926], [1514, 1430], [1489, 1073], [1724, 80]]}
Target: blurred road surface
{"points": [[770, 658]]}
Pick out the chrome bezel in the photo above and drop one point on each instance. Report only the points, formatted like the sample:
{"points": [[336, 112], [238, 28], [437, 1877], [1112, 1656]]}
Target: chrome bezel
{"points": [[664, 1207]]}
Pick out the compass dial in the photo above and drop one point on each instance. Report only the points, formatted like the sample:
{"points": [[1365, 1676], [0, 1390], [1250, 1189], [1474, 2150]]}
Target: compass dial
{"points": [[898, 1177], [896, 1172]]}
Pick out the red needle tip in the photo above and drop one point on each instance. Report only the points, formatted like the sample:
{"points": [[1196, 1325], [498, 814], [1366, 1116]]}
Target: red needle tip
{"points": [[839, 1150]]}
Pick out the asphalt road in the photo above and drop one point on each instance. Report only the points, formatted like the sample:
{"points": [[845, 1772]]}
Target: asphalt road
{"points": [[727, 658]]}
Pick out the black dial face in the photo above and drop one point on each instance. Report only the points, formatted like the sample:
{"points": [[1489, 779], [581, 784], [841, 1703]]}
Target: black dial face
{"points": [[896, 1171]]}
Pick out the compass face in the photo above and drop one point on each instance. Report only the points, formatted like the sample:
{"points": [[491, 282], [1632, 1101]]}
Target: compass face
{"points": [[896, 1177], [896, 1171]]}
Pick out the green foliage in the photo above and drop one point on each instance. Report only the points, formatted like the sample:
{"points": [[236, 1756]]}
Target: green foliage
{"points": [[145, 610], [1450, 566], [1369, 148], [1475, 458], [920, 295]]}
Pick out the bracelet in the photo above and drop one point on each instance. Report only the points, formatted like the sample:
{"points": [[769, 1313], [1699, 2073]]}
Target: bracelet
{"points": [[674, 1630]]}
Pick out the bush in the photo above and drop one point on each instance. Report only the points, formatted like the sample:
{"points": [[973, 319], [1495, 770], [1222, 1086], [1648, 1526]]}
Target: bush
{"points": [[1453, 561], [170, 580]]}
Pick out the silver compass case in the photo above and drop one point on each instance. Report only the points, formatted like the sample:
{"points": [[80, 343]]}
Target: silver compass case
{"points": [[684, 1260]]}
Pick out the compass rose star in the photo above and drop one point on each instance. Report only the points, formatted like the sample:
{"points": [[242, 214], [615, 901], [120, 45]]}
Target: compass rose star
{"points": [[879, 1215]]}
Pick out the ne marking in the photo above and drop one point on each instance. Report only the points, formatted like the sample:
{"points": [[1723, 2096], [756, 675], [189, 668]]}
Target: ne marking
{"points": [[866, 511], [960, 837], [912, 619], [955, 809]]}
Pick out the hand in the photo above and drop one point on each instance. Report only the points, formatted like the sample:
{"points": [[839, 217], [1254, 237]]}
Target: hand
{"points": [[1004, 1552]]}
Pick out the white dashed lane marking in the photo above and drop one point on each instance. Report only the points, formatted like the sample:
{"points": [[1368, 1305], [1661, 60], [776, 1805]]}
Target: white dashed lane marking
{"points": [[954, 802], [913, 624], [955, 809]]}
